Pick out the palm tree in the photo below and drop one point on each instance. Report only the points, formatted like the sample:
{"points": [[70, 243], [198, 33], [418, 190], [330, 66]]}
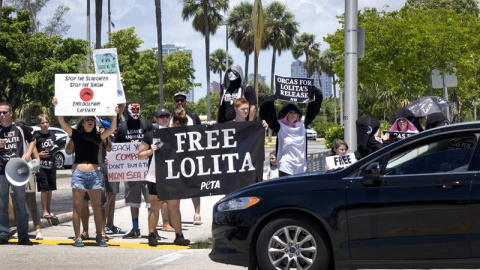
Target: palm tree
{"points": [[1, 6], [240, 29], [218, 63], [280, 31], [327, 59], [98, 23], [305, 44], [206, 20], [315, 64], [158, 13]]}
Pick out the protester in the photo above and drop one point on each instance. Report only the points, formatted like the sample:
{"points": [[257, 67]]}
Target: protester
{"points": [[47, 176], [180, 101], [85, 176], [406, 113], [148, 146], [272, 171], [133, 130], [233, 87], [12, 145], [368, 136], [339, 148], [291, 133], [436, 120]]}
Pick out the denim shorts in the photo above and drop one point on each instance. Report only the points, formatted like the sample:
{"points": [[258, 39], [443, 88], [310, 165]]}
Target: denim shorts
{"points": [[86, 180]]}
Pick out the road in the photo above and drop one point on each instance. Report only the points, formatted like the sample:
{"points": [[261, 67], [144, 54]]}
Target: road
{"points": [[56, 250]]}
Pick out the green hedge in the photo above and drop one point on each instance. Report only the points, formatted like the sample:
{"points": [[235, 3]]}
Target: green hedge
{"points": [[333, 133]]}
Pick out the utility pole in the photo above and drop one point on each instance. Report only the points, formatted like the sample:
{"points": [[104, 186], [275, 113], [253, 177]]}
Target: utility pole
{"points": [[351, 73], [88, 36]]}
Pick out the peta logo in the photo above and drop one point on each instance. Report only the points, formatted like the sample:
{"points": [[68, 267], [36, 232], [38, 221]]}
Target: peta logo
{"points": [[215, 184]]}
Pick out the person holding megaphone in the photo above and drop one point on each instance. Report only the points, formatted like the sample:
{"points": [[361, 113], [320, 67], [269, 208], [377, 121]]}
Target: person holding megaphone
{"points": [[12, 139], [86, 177]]}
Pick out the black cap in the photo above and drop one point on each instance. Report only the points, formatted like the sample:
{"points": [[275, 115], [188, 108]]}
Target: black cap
{"points": [[180, 94], [163, 112]]}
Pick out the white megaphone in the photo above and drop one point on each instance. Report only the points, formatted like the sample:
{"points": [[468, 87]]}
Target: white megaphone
{"points": [[18, 171]]}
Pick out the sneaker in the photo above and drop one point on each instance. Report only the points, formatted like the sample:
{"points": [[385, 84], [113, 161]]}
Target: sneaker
{"points": [[3, 241], [197, 219], [79, 242], [25, 242], [132, 234], [152, 240], [108, 230], [15, 235], [38, 234], [100, 241], [180, 240], [118, 230]]}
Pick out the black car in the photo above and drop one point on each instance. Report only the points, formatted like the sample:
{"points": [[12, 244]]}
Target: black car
{"points": [[413, 204]]}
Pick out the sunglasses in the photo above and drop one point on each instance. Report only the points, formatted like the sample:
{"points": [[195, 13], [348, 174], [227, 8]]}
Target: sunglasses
{"points": [[4, 112], [163, 116], [179, 100]]}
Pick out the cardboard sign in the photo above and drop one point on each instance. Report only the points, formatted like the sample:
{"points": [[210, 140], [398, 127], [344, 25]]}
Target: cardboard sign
{"points": [[124, 165], [398, 134], [335, 162], [106, 62], [293, 89], [196, 161], [85, 94]]}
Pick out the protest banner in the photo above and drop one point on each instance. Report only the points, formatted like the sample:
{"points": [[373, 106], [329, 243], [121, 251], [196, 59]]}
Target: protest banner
{"points": [[106, 62], [124, 165], [335, 162], [293, 89], [85, 94], [398, 134], [208, 160]]}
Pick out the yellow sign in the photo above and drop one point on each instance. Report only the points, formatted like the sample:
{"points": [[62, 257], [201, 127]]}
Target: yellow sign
{"points": [[258, 24]]}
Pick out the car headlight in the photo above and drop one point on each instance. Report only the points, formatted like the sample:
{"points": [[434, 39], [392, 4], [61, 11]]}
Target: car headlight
{"points": [[237, 204]]}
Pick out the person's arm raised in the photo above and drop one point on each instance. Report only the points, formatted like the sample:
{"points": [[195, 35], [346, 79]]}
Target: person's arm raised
{"points": [[112, 127], [66, 127]]}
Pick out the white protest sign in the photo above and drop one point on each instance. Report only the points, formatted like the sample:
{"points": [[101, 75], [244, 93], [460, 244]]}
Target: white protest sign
{"points": [[85, 94], [106, 62], [335, 162], [124, 165]]}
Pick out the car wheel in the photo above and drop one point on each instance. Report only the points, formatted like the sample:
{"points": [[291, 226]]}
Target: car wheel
{"points": [[59, 160], [292, 243]]}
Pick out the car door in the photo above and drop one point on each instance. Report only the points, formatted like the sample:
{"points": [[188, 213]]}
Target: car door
{"points": [[417, 205]]}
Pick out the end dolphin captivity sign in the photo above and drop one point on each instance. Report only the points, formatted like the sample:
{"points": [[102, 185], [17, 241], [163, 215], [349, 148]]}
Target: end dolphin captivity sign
{"points": [[208, 160]]}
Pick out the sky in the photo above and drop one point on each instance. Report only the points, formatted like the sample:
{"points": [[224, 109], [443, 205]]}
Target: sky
{"points": [[316, 17]]}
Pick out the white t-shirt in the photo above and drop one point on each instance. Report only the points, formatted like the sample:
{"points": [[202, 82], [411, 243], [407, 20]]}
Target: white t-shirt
{"points": [[292, 147]]}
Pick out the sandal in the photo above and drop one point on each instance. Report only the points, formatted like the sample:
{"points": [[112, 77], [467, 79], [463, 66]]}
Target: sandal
{"points": [[105, 238], [46, 215], [52, 215], [84, 236], [167, 229]]}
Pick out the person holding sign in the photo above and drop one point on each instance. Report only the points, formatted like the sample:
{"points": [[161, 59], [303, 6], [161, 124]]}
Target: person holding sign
{"points": [[338, 155], [403, 127], [291, 133], [85, 176]]}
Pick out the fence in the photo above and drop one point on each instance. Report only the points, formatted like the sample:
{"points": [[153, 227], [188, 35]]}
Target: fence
{"points": [[316, 161]]}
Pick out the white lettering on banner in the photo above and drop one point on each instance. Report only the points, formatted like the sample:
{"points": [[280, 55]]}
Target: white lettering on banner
{"points": [[215, 184], [197, 167], [194, 138]]}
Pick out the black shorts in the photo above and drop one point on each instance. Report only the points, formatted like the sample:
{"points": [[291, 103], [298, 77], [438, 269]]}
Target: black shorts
{"points": [[152, 188], [46, 179]]}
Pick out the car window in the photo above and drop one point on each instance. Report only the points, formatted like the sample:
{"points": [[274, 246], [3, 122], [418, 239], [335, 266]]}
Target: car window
{"points": [[444, 155]]}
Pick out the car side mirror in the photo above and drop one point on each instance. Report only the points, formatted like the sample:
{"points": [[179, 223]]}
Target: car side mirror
{"points": [[372, 174]]}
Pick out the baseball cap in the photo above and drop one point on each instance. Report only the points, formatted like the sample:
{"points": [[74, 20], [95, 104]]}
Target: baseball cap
{"points": [[163, 112], [180, 94]]}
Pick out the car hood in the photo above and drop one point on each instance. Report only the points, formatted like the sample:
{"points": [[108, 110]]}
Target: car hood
{"points": [[323, 180]]}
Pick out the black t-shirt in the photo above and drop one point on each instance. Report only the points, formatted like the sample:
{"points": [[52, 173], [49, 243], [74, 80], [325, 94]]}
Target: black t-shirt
{"points": [[45, 142], [149, 140], [132, 130], [86, 146], [15, 144], [226, 111]]}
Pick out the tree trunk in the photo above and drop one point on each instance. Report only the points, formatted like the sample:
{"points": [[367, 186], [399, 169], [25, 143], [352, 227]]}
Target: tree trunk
{"points": [[272, 75], [207, 56], [98, 23], [334, 99], [247, 56], [88, 36], [158, 14]]}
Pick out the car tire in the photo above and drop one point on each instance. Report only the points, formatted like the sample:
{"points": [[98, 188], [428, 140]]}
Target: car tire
{"points": [[305, 245], [59, 160]]}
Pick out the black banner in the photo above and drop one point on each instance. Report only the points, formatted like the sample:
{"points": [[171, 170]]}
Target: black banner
{"points": [[196, 161], [293, 89]]}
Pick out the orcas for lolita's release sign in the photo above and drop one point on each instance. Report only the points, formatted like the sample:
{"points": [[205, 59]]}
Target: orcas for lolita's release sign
{"points": [[199, 160], [106, 62], [85, 94], [293, 89]]}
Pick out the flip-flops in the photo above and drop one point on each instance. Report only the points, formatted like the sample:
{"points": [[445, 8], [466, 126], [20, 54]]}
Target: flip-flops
{"points": [[46, 215], [167, 229]]}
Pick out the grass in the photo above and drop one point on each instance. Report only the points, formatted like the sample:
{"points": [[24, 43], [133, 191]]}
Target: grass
{"points": [[202, 244], [63, 176]]}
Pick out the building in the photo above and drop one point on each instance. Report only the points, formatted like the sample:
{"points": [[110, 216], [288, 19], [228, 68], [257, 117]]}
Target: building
{"points": [[171, 48], [298, 71]]}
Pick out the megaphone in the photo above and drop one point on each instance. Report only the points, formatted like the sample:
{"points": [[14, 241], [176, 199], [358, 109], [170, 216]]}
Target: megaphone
{"points": [[18, 171]]}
